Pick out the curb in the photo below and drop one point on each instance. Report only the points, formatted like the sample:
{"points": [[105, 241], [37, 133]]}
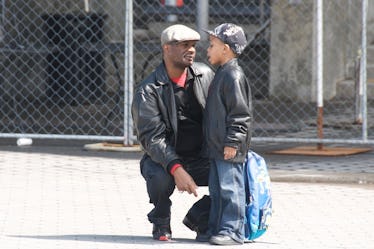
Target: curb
{"points": [[323, 177], [112, 147]]}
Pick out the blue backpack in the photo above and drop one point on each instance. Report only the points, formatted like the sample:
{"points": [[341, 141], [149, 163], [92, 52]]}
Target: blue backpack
{"points": [[258, 196]]}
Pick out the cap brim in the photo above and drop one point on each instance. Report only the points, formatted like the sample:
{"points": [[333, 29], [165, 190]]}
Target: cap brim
{"points": [[210, 32], [206, 30], [185, 40]]}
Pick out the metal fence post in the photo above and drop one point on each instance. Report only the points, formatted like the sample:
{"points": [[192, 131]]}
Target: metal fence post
{"points": [[363, 72], [320, 70], [129, 79], [202, 17]]}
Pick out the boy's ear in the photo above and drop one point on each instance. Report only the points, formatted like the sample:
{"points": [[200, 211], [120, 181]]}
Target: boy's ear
{"points": [[228, 49]]}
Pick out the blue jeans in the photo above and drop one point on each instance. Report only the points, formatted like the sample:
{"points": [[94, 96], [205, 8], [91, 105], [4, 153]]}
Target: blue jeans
{"points": [[161, 185], [227, 193]]}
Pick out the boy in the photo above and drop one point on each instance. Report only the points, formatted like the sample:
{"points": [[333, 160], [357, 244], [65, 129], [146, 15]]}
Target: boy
{"points": [[227, 125]]}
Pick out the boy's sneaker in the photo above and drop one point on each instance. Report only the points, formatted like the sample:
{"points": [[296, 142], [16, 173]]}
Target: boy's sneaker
{"points": [[223, 240], [161, 232]]}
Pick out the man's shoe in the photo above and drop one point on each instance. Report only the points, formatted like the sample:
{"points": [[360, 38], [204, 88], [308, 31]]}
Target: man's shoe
{"points": [[189, 223], [161, 232], [202, 237], [197, 216], [223, 240]]}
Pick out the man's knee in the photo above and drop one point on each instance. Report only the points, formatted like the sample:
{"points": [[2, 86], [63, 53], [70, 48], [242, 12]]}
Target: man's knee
{"points": [[158, 180], [161, 181]]}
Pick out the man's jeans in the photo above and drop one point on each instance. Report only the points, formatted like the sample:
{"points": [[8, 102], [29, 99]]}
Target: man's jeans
{"points": [[227, 193], [161, 185]]}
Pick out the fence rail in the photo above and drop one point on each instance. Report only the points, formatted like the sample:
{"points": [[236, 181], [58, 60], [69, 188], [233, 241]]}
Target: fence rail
{"points": [[67, 68]]}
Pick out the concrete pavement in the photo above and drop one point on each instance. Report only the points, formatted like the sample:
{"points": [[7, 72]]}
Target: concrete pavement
{"points": [[61, 196]]}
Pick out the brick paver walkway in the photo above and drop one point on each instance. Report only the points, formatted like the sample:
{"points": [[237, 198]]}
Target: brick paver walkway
{"points": [[56, 201]]}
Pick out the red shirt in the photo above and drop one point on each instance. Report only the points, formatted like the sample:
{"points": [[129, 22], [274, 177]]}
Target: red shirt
{"points": [[180, 81]]}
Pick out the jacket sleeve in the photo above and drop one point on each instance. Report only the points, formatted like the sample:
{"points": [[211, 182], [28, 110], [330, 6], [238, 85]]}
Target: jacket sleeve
{"points": [[239, 112], [150, 127]]}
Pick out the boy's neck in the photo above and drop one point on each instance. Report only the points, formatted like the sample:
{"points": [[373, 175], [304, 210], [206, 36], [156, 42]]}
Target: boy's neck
{"points": [[227, 59]]}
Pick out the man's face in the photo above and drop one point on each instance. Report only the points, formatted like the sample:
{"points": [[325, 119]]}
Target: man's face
{"points": [[180, 54]]}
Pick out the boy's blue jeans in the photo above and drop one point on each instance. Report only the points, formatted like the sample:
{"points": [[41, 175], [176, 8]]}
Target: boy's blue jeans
{"points": [[227, 193]]}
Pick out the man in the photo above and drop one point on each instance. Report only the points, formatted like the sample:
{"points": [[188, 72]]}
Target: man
{"points": [[167, 111]]}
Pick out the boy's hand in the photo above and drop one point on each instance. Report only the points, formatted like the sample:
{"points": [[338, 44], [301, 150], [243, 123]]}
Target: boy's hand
{"points": [[229, 153]]}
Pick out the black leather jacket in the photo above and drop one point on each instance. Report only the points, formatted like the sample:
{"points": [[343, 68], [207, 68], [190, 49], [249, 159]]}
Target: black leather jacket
{"points": [[228, 114], [154, 111]]}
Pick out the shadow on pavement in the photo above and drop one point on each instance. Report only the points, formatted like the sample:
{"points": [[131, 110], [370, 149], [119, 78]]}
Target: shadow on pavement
{"points": [[124, 239]]}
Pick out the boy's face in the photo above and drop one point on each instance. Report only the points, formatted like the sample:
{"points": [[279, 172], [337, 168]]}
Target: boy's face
{"points": [[216, 51]]}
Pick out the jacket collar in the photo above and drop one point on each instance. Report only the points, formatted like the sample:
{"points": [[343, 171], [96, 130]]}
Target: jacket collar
{"points": [[232, 62], [195, 70], [162, 77]]}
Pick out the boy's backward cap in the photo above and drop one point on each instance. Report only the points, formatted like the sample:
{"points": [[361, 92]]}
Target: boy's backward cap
{"points": [[230, 34]]}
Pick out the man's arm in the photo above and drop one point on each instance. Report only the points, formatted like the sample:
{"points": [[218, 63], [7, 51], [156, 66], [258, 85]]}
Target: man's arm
{"points": [[150, 127]]}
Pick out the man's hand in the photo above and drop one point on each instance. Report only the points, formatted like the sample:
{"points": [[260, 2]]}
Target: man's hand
{"points": [[184, 181]]}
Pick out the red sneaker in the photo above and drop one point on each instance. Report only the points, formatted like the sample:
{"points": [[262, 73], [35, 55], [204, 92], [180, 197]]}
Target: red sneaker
{"points": [[161, 232]]}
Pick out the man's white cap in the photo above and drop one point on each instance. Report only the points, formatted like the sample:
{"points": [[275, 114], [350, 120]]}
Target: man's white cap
{"points": [[177, 33]]}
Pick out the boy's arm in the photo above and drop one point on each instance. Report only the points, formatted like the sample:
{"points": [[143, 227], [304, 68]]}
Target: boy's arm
{"points": [[239, 113]]}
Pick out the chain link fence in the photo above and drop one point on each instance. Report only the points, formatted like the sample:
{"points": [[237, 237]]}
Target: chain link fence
{"points": [[67, 68], [61, 68]]}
